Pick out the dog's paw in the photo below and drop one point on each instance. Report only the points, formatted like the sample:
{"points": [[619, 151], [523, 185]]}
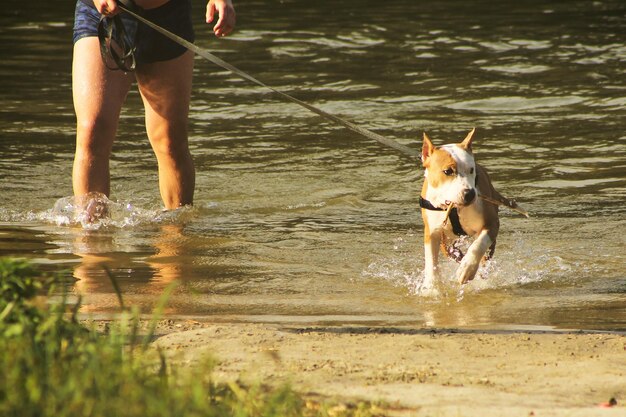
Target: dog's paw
{"points": [[427, 287], [466, 272], [428, 291]]}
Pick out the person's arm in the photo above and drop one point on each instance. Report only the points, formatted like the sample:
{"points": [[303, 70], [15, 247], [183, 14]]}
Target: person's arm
{"points": [[226, 16]]}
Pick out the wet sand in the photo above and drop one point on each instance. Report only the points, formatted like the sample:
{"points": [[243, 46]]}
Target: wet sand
{"points": [[418, 372]]}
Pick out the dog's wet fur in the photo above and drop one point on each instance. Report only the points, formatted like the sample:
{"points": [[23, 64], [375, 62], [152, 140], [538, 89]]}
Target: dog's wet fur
{"points": [[452, 177]]}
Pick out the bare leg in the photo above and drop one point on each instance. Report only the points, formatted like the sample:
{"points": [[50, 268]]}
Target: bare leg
{"points": [[166, 90], [98, 97]]}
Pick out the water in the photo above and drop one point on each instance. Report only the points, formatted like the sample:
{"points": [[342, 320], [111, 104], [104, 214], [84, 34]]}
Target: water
{"points": [[297, 220]]}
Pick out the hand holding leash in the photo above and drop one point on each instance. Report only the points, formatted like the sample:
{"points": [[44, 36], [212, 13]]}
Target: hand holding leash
{"points": [[107, 8]]}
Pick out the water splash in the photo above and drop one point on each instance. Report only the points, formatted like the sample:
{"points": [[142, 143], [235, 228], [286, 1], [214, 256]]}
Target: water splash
{"points": [[96, 211], [520, 262]]}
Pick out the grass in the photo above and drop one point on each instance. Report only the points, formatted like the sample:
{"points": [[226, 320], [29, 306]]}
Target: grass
{"points": [[52, 365]]}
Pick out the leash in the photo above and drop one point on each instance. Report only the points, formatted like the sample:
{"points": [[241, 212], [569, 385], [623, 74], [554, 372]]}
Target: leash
{"points": [[111, 31], [451, 213], [220, 62]]}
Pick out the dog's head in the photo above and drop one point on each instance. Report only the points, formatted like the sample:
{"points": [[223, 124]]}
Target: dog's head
{"points": [[450, 172]]}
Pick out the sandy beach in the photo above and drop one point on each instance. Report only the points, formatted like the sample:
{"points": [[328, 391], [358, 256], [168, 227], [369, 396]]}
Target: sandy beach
{"points": [[418, 372]]}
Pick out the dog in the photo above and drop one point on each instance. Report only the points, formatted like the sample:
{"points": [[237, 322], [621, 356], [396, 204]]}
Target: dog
{"points": [[457, 199]]}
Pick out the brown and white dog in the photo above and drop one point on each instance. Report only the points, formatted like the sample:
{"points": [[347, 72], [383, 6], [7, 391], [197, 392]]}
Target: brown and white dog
{"points": [[455, 202]]}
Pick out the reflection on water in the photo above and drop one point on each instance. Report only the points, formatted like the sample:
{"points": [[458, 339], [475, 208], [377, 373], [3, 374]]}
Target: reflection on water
{"points": [[100, 255], [299, 220]]}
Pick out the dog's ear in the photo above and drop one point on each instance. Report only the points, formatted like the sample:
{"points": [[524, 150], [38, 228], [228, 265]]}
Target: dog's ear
{"points": [[467, 142], [427, 148]]}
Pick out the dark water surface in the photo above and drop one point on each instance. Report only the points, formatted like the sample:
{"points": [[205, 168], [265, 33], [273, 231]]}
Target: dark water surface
{"points": [[299, 220]]}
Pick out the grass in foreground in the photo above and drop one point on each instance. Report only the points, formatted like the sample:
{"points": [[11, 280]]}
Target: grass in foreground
{"points": [[51, 365]]}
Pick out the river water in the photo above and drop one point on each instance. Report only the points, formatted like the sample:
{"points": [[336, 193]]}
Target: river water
{"points": [[299, 220]]}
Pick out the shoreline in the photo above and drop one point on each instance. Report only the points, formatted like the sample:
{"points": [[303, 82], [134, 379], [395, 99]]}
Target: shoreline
{"points": [[414, 371]]}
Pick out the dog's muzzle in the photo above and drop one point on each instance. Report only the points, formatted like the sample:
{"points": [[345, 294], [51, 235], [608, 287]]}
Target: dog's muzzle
{"points": [[468, 196]]}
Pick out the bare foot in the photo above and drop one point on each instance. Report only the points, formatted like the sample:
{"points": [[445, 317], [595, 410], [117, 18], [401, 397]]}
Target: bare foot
{"points": [[91, 208]]}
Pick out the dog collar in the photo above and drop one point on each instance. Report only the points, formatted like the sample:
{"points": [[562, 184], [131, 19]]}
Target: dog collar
{"points": [[457, 229]]}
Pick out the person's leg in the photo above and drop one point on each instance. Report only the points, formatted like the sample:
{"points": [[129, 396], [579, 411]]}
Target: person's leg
{"points": [[165, 88], [98, 97]]}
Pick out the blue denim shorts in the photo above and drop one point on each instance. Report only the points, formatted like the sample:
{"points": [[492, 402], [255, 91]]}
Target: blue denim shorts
{"points": [[175, 16]]}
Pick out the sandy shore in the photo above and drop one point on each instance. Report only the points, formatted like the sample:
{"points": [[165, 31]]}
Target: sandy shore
{"points": [[419, 372]]}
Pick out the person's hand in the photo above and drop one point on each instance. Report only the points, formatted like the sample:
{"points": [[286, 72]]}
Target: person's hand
{"points": [[107, 7], [226, 12]]}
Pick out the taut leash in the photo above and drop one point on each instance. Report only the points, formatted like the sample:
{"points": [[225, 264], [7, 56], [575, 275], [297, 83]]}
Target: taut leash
{"points": [[220, 62]]}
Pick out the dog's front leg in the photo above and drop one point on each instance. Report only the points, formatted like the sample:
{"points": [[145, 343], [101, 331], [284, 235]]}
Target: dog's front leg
{"points": [[432, 241], [470, 263]]}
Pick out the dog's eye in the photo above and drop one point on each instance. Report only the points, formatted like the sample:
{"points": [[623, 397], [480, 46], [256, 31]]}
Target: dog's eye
{"points": [[471, 171], [449, 172]]}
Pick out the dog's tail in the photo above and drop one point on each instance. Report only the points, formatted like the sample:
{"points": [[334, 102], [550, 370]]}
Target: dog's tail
{"points": [[500, 200]]}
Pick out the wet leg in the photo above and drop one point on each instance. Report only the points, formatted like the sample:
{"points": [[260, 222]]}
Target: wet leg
{"points": [[98, 97], [166, 90], [432, 242]]}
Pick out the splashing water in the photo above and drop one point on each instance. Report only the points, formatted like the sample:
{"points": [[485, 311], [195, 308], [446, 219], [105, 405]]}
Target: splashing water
{"points": [[95, 211], [405, 270]]}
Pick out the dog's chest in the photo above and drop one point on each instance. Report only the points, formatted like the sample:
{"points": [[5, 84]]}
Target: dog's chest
{"points": [[472, 218]]}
